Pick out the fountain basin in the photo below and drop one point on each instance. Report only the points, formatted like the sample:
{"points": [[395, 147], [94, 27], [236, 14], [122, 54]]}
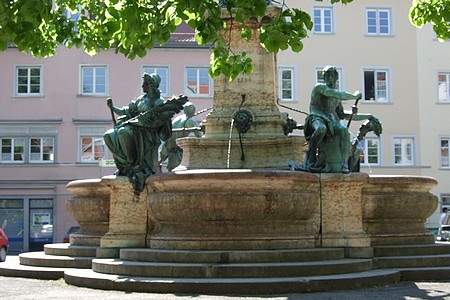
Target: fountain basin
{"points": [[395, 209], [89, 206], [253, 209], [233, 209]]}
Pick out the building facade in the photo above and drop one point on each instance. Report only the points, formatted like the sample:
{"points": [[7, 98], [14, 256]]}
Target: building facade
{"points": [[402, 72], [54, 110], [52, 124]]}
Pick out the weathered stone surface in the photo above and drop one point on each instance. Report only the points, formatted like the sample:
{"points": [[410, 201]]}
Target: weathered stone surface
{"points": [[395, 209], [234, 209], [128, 215], [263, 153], [89, 206], [342, 211]]}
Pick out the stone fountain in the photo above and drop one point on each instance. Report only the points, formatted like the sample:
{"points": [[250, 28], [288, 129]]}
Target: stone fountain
{"points": [[234, 198]]}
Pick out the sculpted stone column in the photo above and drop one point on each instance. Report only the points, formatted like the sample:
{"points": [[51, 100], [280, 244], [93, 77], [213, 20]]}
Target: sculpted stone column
{"points": [[264, 145]]}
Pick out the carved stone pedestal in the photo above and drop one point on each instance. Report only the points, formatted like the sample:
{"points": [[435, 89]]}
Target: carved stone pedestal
{"points": [[342, 214], [128, 215]]}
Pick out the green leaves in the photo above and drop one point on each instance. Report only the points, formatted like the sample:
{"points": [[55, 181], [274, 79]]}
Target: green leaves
{"points": [[436, 12], [229, 64], [286, 31], [133, 27]]}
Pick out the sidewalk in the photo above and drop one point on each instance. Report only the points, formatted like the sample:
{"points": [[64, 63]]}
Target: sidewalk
{"points": [[23, 288]]}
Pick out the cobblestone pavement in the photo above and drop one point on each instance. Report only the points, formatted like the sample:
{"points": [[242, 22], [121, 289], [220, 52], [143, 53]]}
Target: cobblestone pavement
{"points": [[23, 289]]}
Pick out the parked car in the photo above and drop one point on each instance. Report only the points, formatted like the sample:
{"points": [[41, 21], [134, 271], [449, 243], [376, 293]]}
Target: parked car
{"points": [[3, 245], [46, 230], [444, 233], [73, 229]]}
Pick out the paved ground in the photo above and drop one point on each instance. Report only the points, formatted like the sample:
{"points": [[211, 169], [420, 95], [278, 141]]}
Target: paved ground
{"points": [[23, 288]]}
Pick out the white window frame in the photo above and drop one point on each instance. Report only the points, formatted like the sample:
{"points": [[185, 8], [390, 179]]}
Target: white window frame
{"points": [[364, 151], [321, 24], [407, 159], [193, 93], [164, 85], [41, 80], [94, 92], [444, 153], [377, 85], [14, 142], [378, 21], [319, 69], [443, 87], [95, 133], [42, 151], [282, 83]]}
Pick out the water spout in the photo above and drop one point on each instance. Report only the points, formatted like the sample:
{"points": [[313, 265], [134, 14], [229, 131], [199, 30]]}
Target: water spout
{"points": [[229, 143]]}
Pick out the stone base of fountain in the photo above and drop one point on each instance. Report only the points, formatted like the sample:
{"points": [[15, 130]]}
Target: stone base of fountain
{"points": [[90, 206], [255, 209], [213, 153], [234, 209]]}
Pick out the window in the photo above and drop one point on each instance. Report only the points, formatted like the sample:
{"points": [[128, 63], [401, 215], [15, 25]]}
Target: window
{"points": [[319, 77], [198, 82], [12, 150], [286, 84], [404, 151], [92, 146], [93, 80], [445, 198], [378, 21], [370, 151], [376, 85], [323, 20], [29, 81], [163, 72], [41, 149], [444, 87], [444, 152], [25, 143]]}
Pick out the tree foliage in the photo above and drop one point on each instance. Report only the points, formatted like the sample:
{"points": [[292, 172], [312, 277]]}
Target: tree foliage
{"points": [[436, 12], [132, 27]]}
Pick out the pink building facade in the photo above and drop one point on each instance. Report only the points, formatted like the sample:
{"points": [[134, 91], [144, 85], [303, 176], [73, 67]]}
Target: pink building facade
{"points": [[53, 118]]}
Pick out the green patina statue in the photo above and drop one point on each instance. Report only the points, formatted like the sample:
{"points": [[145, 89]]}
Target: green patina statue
{"points": [[138, 132], [182, 125], [329, 145]]}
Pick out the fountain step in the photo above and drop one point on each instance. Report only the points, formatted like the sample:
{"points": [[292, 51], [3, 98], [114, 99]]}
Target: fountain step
{"points": [[410, 261], [67, 249], [230, 256], [402, 250], [230, 270], [230, 286], [40, 259], [12, 268]]}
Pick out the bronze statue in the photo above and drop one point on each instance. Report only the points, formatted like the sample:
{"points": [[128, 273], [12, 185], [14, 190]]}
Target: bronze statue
{"points": [[323, 124], [182, 125], [141, 126]]}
